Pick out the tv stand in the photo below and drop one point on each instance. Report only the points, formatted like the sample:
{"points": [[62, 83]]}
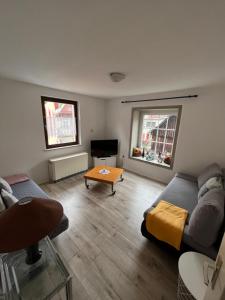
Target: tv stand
{"points": [[105, 161]]}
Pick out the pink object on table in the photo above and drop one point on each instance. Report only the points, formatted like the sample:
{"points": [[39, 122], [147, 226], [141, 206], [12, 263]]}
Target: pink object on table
{"points": [[13, 179]]}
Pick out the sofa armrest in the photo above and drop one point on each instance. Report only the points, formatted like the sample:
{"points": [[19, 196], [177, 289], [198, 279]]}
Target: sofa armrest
{"points": [[186, 176], [62, 226], [147, 211]]}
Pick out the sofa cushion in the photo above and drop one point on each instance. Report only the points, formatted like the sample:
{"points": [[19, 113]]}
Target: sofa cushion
{"points": [[212, 170], [211, 183], [207, 218], [28, 189], [180, 192], [4, 185], [8, 198]]}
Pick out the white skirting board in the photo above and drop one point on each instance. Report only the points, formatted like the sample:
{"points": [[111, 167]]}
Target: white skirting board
{"points": [[65, 166]]}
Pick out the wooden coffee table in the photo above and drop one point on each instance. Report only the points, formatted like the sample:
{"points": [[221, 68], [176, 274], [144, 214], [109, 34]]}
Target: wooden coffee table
{"points": [[114, 175]]}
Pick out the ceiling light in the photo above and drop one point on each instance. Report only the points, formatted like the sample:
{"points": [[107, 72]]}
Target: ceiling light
{"points": [[117, 76]]}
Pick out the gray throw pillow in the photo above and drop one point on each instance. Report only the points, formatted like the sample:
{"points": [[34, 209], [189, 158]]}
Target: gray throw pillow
{"points": [[207, 218], [211, 183], [2, 205], [212, 170], [4, 185], [8, 198]]}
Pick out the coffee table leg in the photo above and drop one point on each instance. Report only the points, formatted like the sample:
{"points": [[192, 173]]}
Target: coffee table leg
{"points": [[121, 177], [87, 185], [113, 191]]}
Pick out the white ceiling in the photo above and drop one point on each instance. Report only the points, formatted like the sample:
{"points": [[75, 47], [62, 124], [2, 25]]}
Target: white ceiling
{"points": [[73, 44]]}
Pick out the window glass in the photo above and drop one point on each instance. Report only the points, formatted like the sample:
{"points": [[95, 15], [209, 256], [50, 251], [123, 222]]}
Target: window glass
{"points": [[60, 122], [157, 134]]}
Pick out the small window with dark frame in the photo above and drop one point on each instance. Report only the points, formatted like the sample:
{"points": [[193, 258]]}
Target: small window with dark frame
{"points": [[154, 134], [60, 119]]}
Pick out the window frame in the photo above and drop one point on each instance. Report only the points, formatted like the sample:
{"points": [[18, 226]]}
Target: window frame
{"points": [[143, 110], [76, 114]]}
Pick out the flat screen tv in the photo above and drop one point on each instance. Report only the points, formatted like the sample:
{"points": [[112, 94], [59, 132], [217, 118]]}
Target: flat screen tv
{"points": [[104, 148]]}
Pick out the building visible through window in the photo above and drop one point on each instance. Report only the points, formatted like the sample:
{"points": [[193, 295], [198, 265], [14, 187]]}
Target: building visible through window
{"points": [[154, 133], [60, 122]]}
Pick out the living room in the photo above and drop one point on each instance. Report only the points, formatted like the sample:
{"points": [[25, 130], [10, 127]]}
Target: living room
{"points": [[149, 77]]}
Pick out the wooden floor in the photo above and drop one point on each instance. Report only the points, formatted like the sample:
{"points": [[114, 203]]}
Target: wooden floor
{"points": [[104, 248]]}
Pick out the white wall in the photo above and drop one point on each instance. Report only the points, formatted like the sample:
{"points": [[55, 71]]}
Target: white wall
{"points": [[22, 141], [201, 138]]}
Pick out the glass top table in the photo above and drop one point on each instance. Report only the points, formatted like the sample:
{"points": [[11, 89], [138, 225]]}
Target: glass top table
{"points": [[39, 281]]}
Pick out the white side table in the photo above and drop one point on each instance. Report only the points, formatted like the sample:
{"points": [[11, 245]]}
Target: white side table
{"points": [[191, 282]]}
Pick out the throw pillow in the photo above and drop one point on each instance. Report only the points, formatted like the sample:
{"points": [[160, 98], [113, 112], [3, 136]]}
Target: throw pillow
{"points": [[212, 183], [212, 170], [8, 198], [2, 205], [4, 185], [207, 218]]}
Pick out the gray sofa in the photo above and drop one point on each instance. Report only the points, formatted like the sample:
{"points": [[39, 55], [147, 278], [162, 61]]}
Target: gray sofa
{"points": [[183, 191], [29, 188]]}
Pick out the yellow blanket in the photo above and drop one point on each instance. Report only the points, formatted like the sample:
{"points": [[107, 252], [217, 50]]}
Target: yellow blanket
{"points": [[166, 222]]}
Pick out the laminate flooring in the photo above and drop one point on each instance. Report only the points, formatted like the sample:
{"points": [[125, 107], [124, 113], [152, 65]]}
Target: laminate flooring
{"points": [[104, 248]]}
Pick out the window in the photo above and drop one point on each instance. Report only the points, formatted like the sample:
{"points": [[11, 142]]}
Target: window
{"points": [[154, 133], [60, 122]]}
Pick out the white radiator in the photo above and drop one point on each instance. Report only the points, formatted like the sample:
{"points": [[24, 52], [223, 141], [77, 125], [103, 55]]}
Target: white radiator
{"points": [[67, 165]]}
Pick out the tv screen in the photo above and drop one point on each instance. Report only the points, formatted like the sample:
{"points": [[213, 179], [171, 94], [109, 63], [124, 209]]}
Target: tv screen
{"points": [[103, 148]]}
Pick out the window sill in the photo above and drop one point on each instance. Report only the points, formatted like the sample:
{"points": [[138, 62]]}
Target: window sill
{"points": [[152, 162], [58, 148]]}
